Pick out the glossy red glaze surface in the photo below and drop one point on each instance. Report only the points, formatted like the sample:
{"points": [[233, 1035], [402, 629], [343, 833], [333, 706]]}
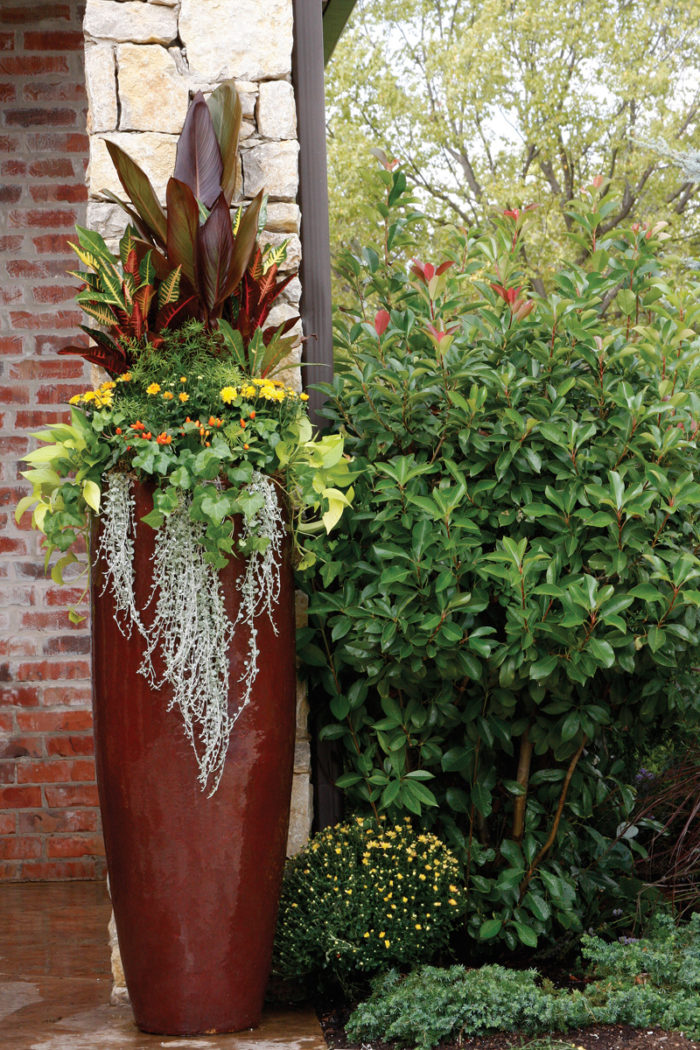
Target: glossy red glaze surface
{"points": [[195, 881]]}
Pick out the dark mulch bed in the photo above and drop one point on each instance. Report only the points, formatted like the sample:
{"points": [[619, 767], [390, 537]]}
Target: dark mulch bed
{"points": [[597, 1037]]}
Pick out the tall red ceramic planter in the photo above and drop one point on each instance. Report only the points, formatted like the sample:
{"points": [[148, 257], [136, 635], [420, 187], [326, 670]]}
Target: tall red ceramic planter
{"points": [[194, 881]]}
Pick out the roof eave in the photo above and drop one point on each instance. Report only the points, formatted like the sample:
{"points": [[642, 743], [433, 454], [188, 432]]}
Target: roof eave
{"points": [[335, 15]]}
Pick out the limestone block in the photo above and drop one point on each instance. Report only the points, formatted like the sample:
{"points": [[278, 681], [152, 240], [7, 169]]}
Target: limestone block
{"points": [[154, 152], [277, 112], [272, 167], [247, 130], [302, 757], [153, 96], [300, 814], [132, 21], [119, 992], [302, 711], [101, 85], [249, 39], [292, 292], [109, 220], [283, 217]]}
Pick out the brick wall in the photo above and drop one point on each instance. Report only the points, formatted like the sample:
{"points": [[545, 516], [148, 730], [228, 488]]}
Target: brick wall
{"points": [[49, 823]]}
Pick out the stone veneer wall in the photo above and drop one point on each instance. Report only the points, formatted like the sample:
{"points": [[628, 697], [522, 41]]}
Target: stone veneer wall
{"points": [[143, 63]]}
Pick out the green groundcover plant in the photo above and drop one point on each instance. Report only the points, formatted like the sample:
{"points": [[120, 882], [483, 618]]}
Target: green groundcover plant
{"points": [[654, 981], [363, 896], [509, 614]]}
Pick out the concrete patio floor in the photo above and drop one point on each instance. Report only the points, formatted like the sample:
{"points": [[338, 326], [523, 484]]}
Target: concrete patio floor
{"points": [[55, 981]]}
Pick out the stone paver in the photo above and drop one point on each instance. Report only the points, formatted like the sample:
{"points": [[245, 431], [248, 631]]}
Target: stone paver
{"points": [[55, 982]]}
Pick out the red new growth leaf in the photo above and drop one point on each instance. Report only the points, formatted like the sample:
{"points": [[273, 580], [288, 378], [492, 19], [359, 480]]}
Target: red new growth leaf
{"points": [[381, 322]]}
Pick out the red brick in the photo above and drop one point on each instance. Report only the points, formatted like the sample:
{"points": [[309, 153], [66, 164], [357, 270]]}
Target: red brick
{"points": [[13, 167], [53, 293], [68, 746], [54, 721], [76, 846], [11, 295], [69, 142], [50, 670], [37, 117], [59, 319], [66, 794], [59, 368], [10, 546], [46, 771], [74, 643], [62, 870], [15, 395], [44, 217], [9, 143], [16, 848], [55, 821], [20, 798], [58, 192], [31, 65], [49, 91], [43, 620], [65, 696], [19, 696], [8, 93], [7, 823], [6, 722], [63, 596], [10, 194], [27, 13], [10, 244], [8, 771], [53, 40], [55, 244], [22, 747], [51, 167], [56, 394], [7, 43], [35, 418]]}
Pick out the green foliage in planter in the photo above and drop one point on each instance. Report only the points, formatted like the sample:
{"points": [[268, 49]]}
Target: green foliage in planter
{"points": [[655, 981], [363, 896], [512, 605]]}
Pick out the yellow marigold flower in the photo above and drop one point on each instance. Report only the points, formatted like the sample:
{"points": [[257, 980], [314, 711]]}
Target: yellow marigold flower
{"points": [[228, 394], [452, 901], [365, 935], [125, 377], [418, 926], [154, 388], [75, 400], [382, 934], [303, 397], [183, 379], [387, 943], [89, 395], [183, 397], [168, 395]]}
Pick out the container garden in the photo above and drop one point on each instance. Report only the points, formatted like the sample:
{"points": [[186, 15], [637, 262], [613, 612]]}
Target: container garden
{"points": [[190, 474]]}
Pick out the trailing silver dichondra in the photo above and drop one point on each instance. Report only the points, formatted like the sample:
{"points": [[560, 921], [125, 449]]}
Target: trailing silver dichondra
{"points": [[191, 632]]}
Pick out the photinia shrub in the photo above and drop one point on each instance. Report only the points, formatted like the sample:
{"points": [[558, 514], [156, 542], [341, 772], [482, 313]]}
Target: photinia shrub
{"points": [[510, 611]]}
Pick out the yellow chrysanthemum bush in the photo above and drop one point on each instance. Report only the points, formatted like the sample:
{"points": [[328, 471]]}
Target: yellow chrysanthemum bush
{"points": [[364, 896]]}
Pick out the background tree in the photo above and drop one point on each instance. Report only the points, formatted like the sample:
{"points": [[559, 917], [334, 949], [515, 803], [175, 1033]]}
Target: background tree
{"points": [[494, 104]]}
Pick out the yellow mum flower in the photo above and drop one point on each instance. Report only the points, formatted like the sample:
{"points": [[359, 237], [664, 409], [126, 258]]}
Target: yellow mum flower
{"points": [[125, 377], [183, 397], [154, 388], [183, 379], [168, 395], [303, 397], [228, 394], [75, 400], [248, 391]]}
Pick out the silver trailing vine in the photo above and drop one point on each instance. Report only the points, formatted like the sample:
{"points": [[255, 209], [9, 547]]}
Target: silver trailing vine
{"points": [[116, 548], [191, 633]]}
